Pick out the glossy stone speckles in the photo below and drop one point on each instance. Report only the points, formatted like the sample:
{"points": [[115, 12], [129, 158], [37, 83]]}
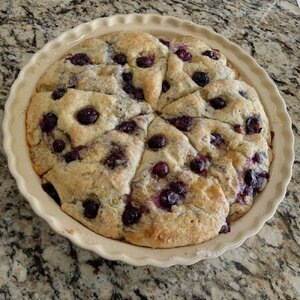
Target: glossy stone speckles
{"points": [[60, 260]]}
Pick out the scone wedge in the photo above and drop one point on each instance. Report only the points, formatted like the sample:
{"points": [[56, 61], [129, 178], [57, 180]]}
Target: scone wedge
{"points": [[94, 188], [168, 199]]}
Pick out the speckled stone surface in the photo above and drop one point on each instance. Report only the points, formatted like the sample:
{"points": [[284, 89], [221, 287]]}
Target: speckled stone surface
{"points": [[36, 263]]}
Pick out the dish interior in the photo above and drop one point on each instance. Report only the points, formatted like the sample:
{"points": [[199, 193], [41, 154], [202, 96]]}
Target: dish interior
{"points": [[29, 183]]}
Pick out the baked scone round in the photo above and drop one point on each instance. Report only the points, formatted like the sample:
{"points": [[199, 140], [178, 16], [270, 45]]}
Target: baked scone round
{"points": [[148, 140]]}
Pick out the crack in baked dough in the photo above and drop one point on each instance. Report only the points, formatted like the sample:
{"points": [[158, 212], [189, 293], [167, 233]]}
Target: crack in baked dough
{"points": [[104, 191]]}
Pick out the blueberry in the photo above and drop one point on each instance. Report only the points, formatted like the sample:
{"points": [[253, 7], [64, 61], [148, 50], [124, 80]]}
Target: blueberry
{"points": [[87, 116], [129, 88], [160, 169], [217, 103], [183, 123], [145, 61], [217, 140], [244, 94], [120, 59], [165, 42], [198, 165], [58, 93], [168, 198], [51, 191], [257, 158], [178, 187], [138, 94], [165, 86], [157, 141], [252, 125], [72, 155], [127, 127], [48, 122], [246, 191], [114, 159], [226, 227], [201, 78], [131, 215], [183, 54], [212, 54], [255, 179], [250, 178], [80, 59], [127, 77], [91, 208], [58, 145]]}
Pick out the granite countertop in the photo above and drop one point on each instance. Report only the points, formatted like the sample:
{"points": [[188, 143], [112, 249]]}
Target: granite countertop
{"points": [[37, 263]]}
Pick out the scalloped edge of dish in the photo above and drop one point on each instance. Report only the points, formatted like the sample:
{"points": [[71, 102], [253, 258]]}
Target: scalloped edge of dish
{"points": [[27, 181]]}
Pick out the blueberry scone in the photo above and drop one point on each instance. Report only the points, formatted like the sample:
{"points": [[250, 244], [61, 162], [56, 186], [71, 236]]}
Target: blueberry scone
{"points": [[172, 194], [73, 118], [101, 173], [148, 140], [192, 65]]}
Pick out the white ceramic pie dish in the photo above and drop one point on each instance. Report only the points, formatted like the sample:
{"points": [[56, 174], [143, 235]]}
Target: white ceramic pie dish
{"points": [[28, 182]]}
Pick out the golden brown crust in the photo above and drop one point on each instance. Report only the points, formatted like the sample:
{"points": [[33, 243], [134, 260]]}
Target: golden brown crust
{"points": [[201, 212], [139, 44], [111, 109], [198, 219], [237, 108], [91, 178], [180, 73], [113, 166]]}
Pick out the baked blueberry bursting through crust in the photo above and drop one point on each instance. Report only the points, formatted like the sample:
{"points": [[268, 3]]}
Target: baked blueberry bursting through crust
{"points": [[135, 92], [253, 125], [183, 123], [157, 141], [178, 187], [152, 141], [217, 103], [87, 116], [201, 78], [198, 165], [258, 157], [184, 55], [165, 86], [168, 198], [217, 140], [145, 61], [120, 59], [58, 145], [80, 59], [160, 169], [212, 54], [130, 215], [127, 77], [115, 158], [127, 127], [58, 93], [72, 155], [90, 208], [48, 122]]}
